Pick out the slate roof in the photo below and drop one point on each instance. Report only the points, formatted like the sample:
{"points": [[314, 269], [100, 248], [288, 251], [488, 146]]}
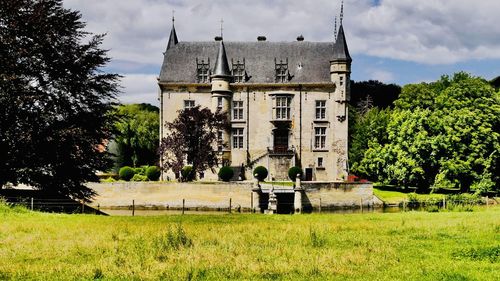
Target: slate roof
{"points": [[221, 68], [308, 62], [340, 50]]}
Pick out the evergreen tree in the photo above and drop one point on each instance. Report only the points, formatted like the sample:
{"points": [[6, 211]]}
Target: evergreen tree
{"points": [[54, 98]]}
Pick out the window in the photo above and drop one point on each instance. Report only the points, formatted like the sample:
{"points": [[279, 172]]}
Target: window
{"points": [[341, 80], [203, 71], [282, 108], [238, 138], [320, 137], [219, 103], [219, 136], [237, 110], [220, 141], [188, 104], [320, 162], [238, 71], [320, 109], [281, 71]]}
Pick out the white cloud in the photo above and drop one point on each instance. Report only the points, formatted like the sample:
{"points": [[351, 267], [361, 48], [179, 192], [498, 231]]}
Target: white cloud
{"points": [[430, 32], [382, 76], [139, 88]]}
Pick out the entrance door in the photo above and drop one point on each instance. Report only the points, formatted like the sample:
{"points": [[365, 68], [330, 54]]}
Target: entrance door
{"points": [[280, 141], [309, 174]]}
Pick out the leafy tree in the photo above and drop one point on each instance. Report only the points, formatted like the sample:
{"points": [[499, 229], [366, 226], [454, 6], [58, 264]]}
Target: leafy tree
{"points": [[136, 135], [54, 98], [367, 127], [192, 137], [443, 134]]}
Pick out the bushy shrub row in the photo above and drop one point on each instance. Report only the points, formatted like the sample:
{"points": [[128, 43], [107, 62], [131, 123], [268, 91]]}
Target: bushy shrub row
{"points": [[143, 173]]}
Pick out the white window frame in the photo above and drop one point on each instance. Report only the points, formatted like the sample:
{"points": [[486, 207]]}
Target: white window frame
{"points": [[188, 104], [237, 138], [319, 137], [238, 110], [282, 107], [320, 110]]}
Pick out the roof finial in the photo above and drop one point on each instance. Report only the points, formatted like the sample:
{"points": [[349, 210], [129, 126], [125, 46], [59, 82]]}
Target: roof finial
{"points": [[221, 28], [341, 12], [173, 17], [335, 31]]}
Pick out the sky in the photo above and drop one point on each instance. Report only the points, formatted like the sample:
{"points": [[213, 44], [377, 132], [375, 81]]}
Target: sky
{"points": [[393, 41]]}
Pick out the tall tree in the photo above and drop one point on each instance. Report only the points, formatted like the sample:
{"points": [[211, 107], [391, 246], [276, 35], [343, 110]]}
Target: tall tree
{"points": [[192, 139], [443, 134], [136, 136], [54, 98]]}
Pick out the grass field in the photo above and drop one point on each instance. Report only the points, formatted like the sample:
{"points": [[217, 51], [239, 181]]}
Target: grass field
{"points": [[395, 197], [401, 246]]}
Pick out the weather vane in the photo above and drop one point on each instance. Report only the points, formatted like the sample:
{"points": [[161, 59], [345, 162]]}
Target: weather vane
{"points": [[221, 28]]}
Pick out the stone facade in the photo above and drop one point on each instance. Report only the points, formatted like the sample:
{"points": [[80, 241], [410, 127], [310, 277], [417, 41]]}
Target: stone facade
{"points": [[287, 102]]}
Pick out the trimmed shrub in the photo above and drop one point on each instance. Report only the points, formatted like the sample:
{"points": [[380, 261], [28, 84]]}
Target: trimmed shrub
{"points": [[260, 173], [126, 173], [139, 177], [186, 173], [153, 173], [226, 173], [293, 171], [140, 170]]}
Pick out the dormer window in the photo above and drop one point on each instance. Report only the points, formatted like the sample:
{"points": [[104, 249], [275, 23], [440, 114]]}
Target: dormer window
{"points": [[203, 71], [238, 71], [281, 70]]}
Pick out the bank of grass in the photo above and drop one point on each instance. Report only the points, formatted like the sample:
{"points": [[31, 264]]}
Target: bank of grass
{"points": [[401, 246], [396, 197]]}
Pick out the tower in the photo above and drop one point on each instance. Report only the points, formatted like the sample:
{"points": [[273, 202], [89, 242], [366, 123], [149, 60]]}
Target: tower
{"points": [[340, 70], [222, 95]]}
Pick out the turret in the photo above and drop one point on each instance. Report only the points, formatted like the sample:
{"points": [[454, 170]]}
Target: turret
{"points": [[172, 40], [221, 75]]}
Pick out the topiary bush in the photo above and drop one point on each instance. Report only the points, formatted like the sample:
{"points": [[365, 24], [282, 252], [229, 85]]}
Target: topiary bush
{"points": [[293, 171], [153, 173], [226, 173], [139, 177], [260, 173], [186, 173], [126, 173], [140, 170]]}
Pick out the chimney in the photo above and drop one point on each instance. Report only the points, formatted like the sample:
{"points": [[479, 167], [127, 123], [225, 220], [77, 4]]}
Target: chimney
{"points": [[261, 38]]}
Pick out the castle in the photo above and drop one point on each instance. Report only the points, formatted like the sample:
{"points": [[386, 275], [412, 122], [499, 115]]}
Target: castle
{"points": [[286, 101]]}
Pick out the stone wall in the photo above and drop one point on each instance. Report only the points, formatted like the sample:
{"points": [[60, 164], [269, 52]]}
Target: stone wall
{"points": [[337, 195], [217, 195], [163, 195]]}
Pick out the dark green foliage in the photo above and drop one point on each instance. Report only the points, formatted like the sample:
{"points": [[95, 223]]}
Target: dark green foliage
{"points": [[187, 173], [136, 135], [293, 172], [192, 137], [444, 134], [260, 173], [368, 94], [226, 173], [54, 99], [153, 173], [126, 173]]}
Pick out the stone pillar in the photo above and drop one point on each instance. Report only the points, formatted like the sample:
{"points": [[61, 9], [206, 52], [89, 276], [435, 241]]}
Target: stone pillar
{"points": [[297, 199], [272, 206], [256, 191]]}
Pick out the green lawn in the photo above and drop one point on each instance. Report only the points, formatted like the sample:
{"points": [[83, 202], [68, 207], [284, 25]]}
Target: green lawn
{"points": [[396, 197], [396, 246]]}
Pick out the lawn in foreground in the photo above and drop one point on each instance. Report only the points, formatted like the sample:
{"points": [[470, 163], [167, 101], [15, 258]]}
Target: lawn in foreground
{"points": [[401, 246]]}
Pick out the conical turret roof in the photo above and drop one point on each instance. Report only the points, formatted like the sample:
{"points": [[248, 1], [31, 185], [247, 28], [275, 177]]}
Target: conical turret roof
{"points": [[172, 40], [221, 68], [340, 50]]}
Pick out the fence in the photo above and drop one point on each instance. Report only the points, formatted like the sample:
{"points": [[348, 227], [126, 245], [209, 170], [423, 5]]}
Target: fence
{"points": [[283, 207]]}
